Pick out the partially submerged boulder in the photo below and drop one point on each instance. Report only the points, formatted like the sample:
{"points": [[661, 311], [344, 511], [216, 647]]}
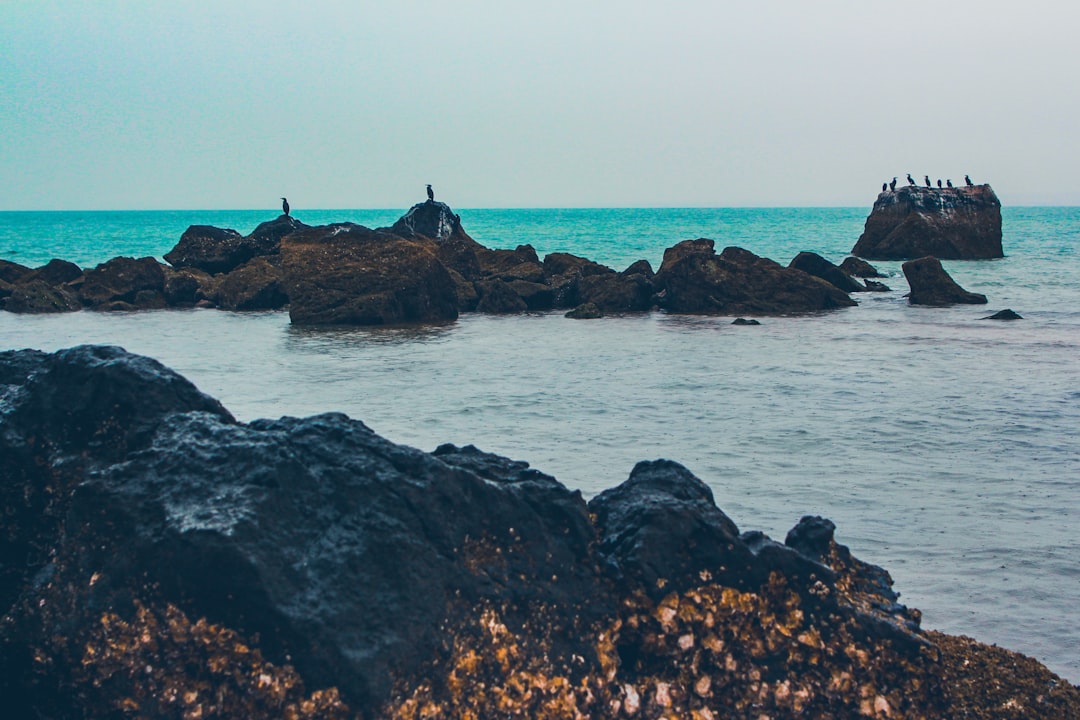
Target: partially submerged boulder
{"points": [[814, 264], [694, 279], [161, 559], [962, 223], [133, 282], [931, 285], [348, 274]]}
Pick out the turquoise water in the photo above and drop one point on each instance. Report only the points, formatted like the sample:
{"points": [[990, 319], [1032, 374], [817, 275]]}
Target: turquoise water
{"points": [[945, 447]]}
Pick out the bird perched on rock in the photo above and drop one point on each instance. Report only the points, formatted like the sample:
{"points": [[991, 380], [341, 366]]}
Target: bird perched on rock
{"points": [[967, 179], [892, 185], [949, 183], [430, 194], [926, 179], [939, 183], [884, 187], [910, 180], [285, 206]]}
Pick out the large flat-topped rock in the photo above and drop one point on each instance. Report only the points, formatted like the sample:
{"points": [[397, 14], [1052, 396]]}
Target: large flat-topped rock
{"points": [[962, 223]]}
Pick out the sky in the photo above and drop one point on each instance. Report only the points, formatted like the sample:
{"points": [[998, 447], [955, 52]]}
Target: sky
{"points": [[685, 103]]}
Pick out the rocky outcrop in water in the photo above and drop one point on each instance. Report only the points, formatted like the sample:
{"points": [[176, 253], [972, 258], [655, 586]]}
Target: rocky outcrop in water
{"points": [[161, 559], [221, 250], [425, 268], [814, 264], [348, 274], [962, 223], [694, 279], [931, 285]]}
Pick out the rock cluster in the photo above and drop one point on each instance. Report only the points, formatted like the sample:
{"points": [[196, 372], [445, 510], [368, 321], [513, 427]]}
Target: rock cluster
{"points": [[424, 268], [962, 223], [160, 558]]}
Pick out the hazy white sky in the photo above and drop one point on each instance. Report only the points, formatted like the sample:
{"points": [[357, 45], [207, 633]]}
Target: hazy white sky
{"points": [[138, 105]]}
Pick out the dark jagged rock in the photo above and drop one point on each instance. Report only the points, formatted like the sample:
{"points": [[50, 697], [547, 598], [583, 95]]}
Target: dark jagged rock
{"points": [[955, 224], [521, 263], [616, 292], [694, 279], [184, 288], [498, 298], [55, 272], [160, 559], [931, 285], [639, 267], [38, 296], [588, 311], [1007, 314], [874, 286], [467, 296], [13, 272], [437, 222], [564, 273], [430, 219], [348, 274], [537, 296], [857, 267], [815, 265], [217, 250], [744, 321], [255, 285], [121, 280]]}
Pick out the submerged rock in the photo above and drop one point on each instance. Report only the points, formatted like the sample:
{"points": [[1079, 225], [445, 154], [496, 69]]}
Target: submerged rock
{"points": [[931, 285], [962, 223], [161, 559], [1006, 314]]}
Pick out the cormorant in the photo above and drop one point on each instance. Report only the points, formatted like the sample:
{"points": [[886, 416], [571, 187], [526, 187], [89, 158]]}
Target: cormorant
{"points": [[910, 180], [939, 183], [967, 179], [892, 185], [926, 179], [285, 206], [430, 194], [949, 183], [884, 187]]}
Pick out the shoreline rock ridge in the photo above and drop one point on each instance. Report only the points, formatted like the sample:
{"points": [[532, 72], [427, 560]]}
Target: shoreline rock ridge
{"points": [[961, 223], [161, 558]]}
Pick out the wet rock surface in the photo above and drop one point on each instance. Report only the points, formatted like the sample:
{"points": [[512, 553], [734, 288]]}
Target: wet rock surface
{"points": [[815, 265], [931, 285], [962, 223], [221, 250], [161, 559]]}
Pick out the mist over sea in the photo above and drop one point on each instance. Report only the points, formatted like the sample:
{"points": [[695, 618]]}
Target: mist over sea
{"points": [[945, 447]]}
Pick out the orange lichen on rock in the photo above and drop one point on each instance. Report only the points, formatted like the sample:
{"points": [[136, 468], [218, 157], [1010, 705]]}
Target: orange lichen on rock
{"points": [[159, 663]]}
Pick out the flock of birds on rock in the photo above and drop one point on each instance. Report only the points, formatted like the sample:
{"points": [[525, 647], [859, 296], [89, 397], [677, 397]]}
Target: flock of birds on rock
{"points": [[891, 186]]}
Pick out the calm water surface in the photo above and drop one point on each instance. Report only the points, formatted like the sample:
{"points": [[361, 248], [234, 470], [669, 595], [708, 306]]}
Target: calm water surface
{"points": [[945, 447]]}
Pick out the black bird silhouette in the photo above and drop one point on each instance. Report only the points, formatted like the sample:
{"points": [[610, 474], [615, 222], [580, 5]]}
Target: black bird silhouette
{"points": [[285, 206], [939, 183], [430, 194], [967, 179], [926, 179], [892, 185], [949, 183], [884, 187], [910, 180]]}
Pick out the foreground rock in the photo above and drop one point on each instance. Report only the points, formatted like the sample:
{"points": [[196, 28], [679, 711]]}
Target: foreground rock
{"points": [[931, 285], [694, 279], [953, 224], [162, 559]]}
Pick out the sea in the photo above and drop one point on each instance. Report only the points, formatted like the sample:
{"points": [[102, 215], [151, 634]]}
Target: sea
{"points": [[945, 447]]}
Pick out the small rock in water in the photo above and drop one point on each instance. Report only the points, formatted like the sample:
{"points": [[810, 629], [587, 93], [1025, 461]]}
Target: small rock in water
{"points": [[744, 321], [588, 311], [1006, 314]]}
